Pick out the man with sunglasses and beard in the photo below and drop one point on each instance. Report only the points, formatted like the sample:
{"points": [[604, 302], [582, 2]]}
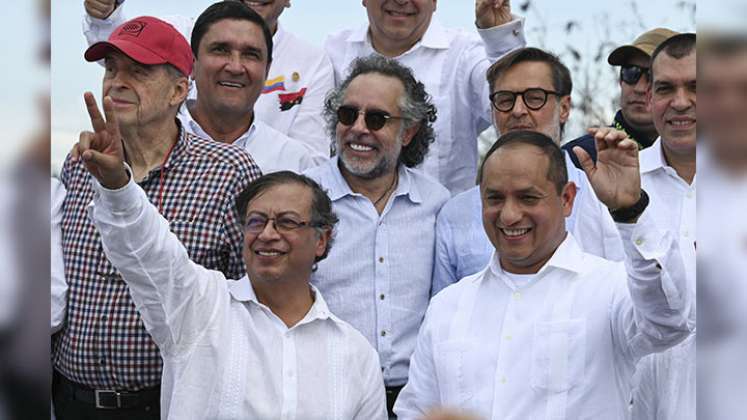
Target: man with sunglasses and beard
{"points": [[378, 276], [633, 117]]}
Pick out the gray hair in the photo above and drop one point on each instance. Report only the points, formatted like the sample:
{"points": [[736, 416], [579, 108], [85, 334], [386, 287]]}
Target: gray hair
{"points": [[415, 104]]}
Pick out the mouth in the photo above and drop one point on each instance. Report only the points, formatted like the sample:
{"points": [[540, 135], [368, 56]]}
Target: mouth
{"points": [[256, 3], [515, 234], [399, 14], [682, 123], [117, 101], [268, 253], [230, 84]]}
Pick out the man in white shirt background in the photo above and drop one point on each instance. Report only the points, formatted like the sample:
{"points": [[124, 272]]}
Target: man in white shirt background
{"points": [[297, 81], [665, 387], [378, 275], [233, 51], [530, 90], [451, 63], [264, 346], [546, 330]]}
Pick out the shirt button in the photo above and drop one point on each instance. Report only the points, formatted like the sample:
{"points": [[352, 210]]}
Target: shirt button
{"points": [[508, 337], [685, 234], [381, 259], [503, 380], [381, 296], [383, 333], [516, 32], [516, 295], [639, 241], [689, 194]]}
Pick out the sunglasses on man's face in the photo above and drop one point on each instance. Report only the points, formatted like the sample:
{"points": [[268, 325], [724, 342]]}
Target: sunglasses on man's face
{"points": [[374, 119], [630, 74]]}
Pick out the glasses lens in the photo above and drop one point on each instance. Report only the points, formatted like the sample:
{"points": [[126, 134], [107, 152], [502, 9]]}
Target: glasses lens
{"points": [[535, 99], [347, 115], [375, 119], [255, 224], [504, 101], [287, 224], [631, 74]]}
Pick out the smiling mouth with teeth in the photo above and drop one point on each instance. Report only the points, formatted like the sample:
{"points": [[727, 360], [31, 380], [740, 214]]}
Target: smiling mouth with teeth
{"points": [[360, 147], [515, 232], [231, 84], [268, 253]]}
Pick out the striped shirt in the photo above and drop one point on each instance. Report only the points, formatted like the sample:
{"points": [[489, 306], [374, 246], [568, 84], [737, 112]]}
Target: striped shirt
{"points": [[104, 343]]}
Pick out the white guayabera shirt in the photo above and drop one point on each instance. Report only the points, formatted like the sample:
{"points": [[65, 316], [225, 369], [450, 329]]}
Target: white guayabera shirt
{"points": [[227, 356], [560, 346]]}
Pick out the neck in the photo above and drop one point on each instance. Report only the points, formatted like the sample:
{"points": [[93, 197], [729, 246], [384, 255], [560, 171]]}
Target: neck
{"points": [[146, 147], [684, 165], [377, 190], [290, 300], [220, 126]]}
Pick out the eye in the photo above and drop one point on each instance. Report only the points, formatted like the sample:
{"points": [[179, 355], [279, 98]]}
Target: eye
{"points": [[530, 199], [221, 49], [288, 223], [255, 223]]}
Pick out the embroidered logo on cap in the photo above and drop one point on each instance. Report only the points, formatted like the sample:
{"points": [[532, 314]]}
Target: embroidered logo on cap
{"points": [[133, 28]]}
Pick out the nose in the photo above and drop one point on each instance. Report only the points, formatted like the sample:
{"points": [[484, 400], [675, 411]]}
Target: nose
{"points": [[270, 232], [510, 213], [233, 64], [520, 107], [359, 125], [641, 86], [683, 99]]}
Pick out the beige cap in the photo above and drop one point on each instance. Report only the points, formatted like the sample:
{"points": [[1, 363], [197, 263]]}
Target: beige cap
{"points": [[646, 43]]}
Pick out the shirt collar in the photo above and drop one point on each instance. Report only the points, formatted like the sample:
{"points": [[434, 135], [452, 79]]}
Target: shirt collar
{"points": [[435, 36], [652, 158], [193, 126], [338, 187], [243, 291]]}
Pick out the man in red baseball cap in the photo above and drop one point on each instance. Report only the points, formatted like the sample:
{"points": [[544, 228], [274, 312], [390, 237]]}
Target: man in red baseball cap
{"points": [[106, 365]]}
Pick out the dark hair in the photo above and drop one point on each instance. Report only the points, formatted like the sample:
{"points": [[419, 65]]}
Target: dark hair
{"points": [[557, 172], [322, 215], [561, 76], [415, 104], [229, 9], [676, 46]]}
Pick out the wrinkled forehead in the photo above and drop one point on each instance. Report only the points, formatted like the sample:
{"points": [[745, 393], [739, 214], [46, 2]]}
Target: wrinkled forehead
{"points": [[289, 197]]}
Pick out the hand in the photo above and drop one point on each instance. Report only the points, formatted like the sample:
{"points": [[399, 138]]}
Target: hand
{"points": [[491, 13], [101, 150], [441, 414], [616, 177], [99, 9]]}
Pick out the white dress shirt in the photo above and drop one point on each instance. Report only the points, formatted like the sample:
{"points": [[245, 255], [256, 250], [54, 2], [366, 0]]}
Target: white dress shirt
{"points": [[463, 248], [664, 385], [58, 286], [378, 273], [562, 345], [271, 150], [227, 356], [452, 65], [297, 69]]}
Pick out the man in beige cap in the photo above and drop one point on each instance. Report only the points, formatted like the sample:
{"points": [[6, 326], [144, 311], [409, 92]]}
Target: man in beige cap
{"points": [[633, 116]]}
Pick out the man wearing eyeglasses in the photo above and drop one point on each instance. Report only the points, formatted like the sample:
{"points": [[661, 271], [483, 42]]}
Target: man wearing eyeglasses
{"points": [[634, 116], [531, 90], [378, 276]]}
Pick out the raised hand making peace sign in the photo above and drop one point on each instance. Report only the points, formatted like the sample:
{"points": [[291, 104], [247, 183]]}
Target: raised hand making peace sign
{"points": [[101, 150]]}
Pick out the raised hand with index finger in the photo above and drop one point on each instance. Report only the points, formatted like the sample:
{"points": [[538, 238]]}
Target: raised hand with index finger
{"points": [[101, 150]]}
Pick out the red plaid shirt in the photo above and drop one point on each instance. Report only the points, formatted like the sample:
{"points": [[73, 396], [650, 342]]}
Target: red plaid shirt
{"points": [[104, 343]]}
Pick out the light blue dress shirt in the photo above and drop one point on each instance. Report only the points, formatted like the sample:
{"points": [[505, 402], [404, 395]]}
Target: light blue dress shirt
{"points": [[463, 248], [377, 276]]}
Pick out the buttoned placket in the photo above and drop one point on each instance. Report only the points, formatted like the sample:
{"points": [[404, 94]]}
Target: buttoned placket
{"points": [[382, 277]]}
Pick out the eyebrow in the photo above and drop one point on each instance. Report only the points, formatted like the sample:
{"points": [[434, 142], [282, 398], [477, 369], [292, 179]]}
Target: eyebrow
{"points": [[282, 213]]}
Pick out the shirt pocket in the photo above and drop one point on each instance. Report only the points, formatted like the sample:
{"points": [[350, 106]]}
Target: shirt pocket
{"points": [[453, 378], [558, 355]]}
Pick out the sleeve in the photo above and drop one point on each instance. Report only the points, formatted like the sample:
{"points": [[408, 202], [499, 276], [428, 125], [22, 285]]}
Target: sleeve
{"points": [[594, 227], [308, 125], [177, 299], [421, 394], [652, 314], [373, 405], [645, 391], [58, 287], [444, 270]]}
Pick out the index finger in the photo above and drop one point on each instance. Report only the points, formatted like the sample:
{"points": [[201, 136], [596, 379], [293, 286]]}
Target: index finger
{"points": [[97, 121]]}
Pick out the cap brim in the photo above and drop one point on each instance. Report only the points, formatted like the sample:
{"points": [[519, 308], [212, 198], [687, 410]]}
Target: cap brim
{"points": [[136, 52], [620, 55]]}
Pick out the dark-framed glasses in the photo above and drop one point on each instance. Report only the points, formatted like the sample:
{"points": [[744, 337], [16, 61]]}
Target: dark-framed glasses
{"points": [[375, 119], [256, 223], [630, 74], [534, 98]]}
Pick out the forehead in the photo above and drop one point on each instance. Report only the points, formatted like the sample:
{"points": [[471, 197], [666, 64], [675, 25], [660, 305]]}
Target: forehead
{"points": [[240, 32], [674, 70], [374, 91], [287, 197], [524, 75], [516, 167]]}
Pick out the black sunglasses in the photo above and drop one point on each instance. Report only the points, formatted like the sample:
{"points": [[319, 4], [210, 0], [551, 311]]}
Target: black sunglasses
{"points": [[630, 74], [374, 119]]}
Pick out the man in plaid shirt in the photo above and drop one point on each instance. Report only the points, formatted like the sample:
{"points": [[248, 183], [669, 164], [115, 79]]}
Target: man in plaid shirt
{"points": [[106, 365]]}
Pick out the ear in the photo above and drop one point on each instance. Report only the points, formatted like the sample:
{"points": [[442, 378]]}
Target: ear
{"points": [[568, 195], [565, 108], [322, 241], [181, 89], [410, 133]]}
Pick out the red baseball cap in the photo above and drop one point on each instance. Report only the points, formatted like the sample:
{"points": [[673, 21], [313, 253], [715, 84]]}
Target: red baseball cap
{"points": [[147, 40]]}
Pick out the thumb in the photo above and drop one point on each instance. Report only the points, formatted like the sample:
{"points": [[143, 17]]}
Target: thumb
{"points": [[587, 164]]}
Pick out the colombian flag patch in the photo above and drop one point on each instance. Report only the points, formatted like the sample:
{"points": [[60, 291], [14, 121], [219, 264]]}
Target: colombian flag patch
{"points": [[275, 84]]}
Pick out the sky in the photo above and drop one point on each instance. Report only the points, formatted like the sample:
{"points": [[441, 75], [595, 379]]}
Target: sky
{"points": [[619, 22]]}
